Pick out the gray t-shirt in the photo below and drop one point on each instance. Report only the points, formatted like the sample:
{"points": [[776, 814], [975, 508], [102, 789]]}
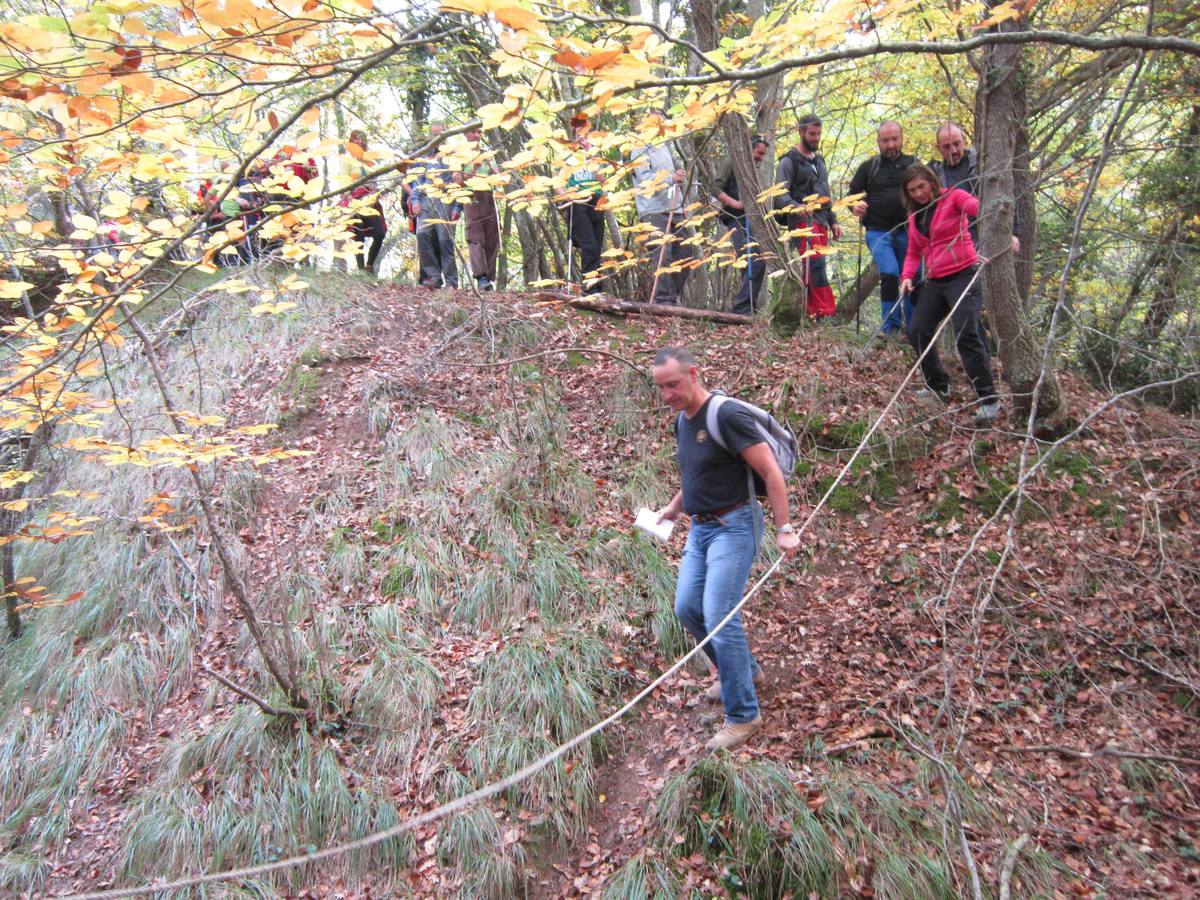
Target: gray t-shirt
{"points": [[655, 164]]}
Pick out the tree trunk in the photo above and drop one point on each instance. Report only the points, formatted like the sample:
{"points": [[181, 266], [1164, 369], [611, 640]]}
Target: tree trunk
{"points": [[1025, 206], [502, 266], [1001, 96], [1182, 232], [864, 285], [763, 229], [8, 562]]}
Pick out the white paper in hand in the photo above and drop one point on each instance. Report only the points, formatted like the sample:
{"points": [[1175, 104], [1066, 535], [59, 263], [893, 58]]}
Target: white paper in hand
{"points": [[648, 522]]}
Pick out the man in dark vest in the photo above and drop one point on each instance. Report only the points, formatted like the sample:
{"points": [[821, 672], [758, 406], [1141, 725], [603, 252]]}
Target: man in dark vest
{"points": [[883, 216], [804, 172], [733, 217]]}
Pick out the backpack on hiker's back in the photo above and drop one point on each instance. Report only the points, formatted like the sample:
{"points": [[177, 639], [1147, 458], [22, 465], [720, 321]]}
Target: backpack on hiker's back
{"points": [[774, 433]]}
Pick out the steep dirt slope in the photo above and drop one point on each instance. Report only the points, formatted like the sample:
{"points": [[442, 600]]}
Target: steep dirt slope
{"points": [[882, 677]]}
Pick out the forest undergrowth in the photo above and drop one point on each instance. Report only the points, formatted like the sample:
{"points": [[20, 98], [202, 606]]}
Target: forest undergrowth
{"points": [[971, 678]]}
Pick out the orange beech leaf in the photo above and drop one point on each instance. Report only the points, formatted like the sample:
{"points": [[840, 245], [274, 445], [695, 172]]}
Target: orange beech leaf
{"points": [[604, 58], [518, 19], [568, 58]]}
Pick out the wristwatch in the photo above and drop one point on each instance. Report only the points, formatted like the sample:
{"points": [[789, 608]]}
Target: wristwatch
{"points": [[787, 528]]}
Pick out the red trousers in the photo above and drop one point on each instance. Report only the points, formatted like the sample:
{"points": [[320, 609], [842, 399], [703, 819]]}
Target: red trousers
{"points": [[821, 301]]}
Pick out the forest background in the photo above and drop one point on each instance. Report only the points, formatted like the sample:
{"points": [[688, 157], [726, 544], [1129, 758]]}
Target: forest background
{"points": [[142, 445]]}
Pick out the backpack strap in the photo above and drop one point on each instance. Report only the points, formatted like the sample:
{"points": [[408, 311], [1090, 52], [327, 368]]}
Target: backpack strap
{"points": [[713, 424], [874, 170]]}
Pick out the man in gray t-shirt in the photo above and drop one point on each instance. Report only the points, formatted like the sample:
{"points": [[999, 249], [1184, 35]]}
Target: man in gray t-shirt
{"points": [[658, 193]]}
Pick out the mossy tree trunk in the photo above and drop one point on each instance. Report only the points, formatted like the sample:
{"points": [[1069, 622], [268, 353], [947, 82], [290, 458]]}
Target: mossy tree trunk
{"points": [[1003, 107]]}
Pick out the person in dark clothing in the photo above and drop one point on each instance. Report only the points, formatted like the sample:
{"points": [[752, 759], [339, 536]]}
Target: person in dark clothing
{"points": [[733, 217], [585, 222], [804, 172], [483, 224], [883, 216], [939, 237], [437, 219], [959, 168], [370, 226], [725, 532]]}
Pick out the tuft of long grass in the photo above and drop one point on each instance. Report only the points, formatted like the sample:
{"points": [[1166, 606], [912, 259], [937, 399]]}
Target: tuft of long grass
{"points": [[23, 873], [250, 792], [473, 844], [397, 696], [535, 693], [752, 819], [379, 392], [645, 877]]}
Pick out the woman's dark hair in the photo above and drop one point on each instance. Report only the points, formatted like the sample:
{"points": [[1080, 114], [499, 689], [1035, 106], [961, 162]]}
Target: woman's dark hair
{"points": [[918, 172]]}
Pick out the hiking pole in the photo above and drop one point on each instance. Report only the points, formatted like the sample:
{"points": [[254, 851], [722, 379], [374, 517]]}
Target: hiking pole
{"points": [[749, 259], [806, 247], [570, 244], [662, 251]]}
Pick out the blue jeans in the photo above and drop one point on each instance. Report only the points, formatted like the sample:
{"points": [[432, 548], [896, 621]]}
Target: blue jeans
{"points": [[712, 577], [888, 249]]}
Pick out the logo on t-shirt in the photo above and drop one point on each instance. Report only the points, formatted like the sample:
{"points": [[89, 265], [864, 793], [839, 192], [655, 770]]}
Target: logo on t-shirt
{"points": [[701, 436]]}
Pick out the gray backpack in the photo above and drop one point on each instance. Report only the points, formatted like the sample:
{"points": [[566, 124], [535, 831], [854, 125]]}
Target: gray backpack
{"points": [[776, 435]]}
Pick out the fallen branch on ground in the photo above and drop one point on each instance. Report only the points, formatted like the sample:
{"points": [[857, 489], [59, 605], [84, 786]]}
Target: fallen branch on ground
{"points": [[1010, 864], [252, 697], [605, 304], [1103, 751]]}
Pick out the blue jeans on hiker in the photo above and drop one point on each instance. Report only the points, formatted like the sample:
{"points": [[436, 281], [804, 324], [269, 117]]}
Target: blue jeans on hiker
{"points": [[888, 249], [712, 577]]}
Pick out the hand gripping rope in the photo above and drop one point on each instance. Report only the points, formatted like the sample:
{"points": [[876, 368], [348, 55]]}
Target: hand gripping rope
{"points": [[491, 790]]}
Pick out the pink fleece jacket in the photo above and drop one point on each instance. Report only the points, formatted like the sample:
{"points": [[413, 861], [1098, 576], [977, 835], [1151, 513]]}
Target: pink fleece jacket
{"points": [[949, 247]]}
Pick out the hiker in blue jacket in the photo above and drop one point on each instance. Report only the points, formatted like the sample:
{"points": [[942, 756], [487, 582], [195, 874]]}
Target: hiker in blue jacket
{"points": [[718, 493]]}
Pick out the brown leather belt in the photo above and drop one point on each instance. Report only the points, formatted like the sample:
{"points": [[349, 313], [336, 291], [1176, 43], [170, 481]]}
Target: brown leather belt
{"points": [[715, 515]]}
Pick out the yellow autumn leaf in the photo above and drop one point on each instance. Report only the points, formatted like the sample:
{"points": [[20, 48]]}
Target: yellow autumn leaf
{"points": [[12, 290], [262, 428], [270, 309]]}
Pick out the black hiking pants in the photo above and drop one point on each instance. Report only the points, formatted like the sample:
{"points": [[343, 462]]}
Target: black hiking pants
{"points": [[938, 296]]}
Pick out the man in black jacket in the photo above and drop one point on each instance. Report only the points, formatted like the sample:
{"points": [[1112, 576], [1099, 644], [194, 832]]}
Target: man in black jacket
{"points": [[804, 172], [733, 217], [882, 213]]}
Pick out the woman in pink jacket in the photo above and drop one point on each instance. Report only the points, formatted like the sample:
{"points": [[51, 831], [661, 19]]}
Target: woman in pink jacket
{"points": [[939, 236]]}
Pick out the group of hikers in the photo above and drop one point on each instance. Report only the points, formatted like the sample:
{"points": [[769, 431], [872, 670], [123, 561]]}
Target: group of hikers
{"points": [[918, 221]]}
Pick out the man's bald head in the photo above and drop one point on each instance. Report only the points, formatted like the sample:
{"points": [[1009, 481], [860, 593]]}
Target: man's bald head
{"points": [[951, 143]]}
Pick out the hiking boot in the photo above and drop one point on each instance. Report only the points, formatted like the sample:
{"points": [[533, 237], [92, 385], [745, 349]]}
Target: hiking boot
{"points": [[732, 735], [931, 393], [485, 284], [989, 412], [713, 692]]}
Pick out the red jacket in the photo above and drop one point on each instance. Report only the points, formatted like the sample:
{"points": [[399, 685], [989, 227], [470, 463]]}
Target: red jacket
{"points": [[948, 248]]}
